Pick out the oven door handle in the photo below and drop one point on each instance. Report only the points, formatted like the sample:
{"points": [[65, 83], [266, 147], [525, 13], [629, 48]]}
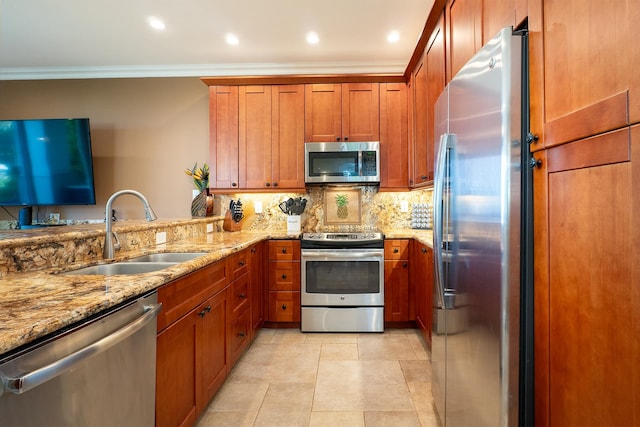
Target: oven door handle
{"points": [[342, 255]]}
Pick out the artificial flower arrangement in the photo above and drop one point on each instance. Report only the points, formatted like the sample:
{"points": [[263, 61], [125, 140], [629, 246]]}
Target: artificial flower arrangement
{"points": [[200, 176]]}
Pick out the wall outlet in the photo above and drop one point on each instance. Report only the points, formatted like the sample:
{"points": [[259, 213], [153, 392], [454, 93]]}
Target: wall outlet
{"points": [[54, 218], [161, 237], [257, 206], [404, 206], [209, 228]]}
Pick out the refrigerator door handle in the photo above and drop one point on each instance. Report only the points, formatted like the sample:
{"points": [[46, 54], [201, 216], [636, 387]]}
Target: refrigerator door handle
{"points": [[438, 232]]}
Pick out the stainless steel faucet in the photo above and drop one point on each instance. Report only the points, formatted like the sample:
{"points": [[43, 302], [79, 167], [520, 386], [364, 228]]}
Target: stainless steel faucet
{"points": [[109, 246]]}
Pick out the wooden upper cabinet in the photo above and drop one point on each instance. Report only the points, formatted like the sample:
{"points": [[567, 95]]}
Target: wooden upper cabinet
{"points": [[393, 135], [342, 112], [254, 145], [271, 137], [498, 14], [429, 79], [223, 136], [591, 82], [464, 33], [287, 136]]}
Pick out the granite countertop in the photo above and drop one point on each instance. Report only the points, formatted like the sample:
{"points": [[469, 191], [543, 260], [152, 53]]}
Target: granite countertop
{"points": [[35, 304], [38, 303]]}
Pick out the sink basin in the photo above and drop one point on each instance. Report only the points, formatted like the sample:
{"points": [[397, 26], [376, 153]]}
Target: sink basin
{"points": [[168, 257], [121, 268]]}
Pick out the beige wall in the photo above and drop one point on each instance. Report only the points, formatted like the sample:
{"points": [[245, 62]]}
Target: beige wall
{"points": [[145, 132]]}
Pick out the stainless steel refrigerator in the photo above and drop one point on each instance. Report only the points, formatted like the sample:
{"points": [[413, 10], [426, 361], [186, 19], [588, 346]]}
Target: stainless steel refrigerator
{"points": [[482, 318]]}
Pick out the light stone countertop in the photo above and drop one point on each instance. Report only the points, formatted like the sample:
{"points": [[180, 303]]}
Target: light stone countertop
{"points": [[38, 303]]}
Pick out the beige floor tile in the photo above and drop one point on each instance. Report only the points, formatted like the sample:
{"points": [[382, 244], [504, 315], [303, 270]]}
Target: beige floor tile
{"points": [[386, 419], [416, 370], [337, 419], [287, 404], [393, 347], [421, 395], [288, 336], [419, 346], [339, 352], [237, 397], [331, 338], [227, 419], [361, 386], [428, 418]]}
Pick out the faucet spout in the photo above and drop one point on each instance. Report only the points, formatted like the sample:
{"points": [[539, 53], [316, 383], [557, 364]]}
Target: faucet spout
{"points": [[109, 247]]}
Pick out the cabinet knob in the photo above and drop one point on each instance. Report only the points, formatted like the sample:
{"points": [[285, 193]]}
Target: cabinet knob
{"points": [[284, 250], [346, 138], [267, 184], [396, 250], [275, 184], [284, 306], [423, 177], [284, 276], [253, 250], [338, 139], [241, 334], [404, 265], [424, 250], [208, 309], [242, 296], [241, 263], [234, 184]]}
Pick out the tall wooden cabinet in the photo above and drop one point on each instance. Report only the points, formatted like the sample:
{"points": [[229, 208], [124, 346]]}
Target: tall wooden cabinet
{"points": [[342, 112], [223, 136], [287, 136], [393, 136]]}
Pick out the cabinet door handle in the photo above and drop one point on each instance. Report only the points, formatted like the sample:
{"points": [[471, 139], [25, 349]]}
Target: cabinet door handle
{"points": [[284, 250], [404, 265], [284, 306], [338, 139], [208, 309], [242, 296], [253, 250], [284, 276], [202, 313], [268, 184], [424, 250], [241, 334], [275, 184], [234, 184], [396, 250], [423, 177], [241, 263], [346, 138]]}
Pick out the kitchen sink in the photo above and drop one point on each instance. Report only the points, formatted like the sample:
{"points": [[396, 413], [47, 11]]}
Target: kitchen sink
{"points": [[168, 257], [121, 268]]}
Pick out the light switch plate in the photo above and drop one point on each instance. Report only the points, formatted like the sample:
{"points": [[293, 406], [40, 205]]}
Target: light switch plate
{"points": [[257, 206], [161, 237], [209, 228], [404, 206]]}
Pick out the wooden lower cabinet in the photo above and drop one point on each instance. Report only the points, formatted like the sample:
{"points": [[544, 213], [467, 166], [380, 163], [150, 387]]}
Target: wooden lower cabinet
{"points": [[422, 295], [284, 281], [588, 300], [396, 281]]}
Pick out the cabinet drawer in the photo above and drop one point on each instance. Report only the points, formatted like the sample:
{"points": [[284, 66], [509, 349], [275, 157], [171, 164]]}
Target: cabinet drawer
{"points": [[239, 264], [284, 250], [396, 249], [284, 276], [284, 306], [240, 294], [239, 335], [182, 295]]}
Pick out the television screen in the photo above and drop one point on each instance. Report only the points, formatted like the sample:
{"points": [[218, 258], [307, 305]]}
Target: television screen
{"points": [[46, 162]]}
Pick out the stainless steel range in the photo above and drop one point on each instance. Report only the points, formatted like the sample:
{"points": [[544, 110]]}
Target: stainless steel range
{"points": [[342, 282]]}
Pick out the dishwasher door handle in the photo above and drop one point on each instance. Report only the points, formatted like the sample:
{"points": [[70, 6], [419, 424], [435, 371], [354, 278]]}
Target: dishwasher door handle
{"points": [[41, 375]]}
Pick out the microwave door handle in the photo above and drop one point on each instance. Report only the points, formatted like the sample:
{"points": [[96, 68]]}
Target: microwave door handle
{"points": [[439, 211]]}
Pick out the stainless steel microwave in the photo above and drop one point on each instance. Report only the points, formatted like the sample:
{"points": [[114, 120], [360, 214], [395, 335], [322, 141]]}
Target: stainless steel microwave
{"points": [[342, 162]]}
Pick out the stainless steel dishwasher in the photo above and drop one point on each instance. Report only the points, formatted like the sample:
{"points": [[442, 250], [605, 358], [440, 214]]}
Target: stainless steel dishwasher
{"points": [[100, 373]]}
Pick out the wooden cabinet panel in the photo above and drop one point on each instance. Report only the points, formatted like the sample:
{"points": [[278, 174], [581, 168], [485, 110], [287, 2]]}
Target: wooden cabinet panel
{"points": [[420, 155], [422, 280], [287, 136], [632, 59], [396, 249], [254, 139], [360, 112], [464, 33], [257, 288], [284, 250], [594, 290], [497, 14], [223, 136], [587, 67], [239, 335], [284, 276], [342, 112], [176, 379], [396, 280], [323, 112], [393, 136], [212, 346], [284, 306]]}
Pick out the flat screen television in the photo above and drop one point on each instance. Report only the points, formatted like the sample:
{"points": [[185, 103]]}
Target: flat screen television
{"points": [[46, 162]]}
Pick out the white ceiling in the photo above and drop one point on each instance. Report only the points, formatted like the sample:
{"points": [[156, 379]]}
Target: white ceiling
{"points": [[45, 39]]}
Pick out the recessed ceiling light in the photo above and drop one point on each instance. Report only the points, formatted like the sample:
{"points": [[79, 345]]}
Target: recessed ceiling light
{"points": [[393, 37], [231, 39], [156, 23], [312, 38]]}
